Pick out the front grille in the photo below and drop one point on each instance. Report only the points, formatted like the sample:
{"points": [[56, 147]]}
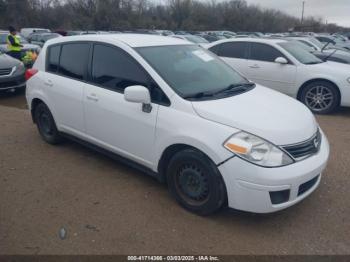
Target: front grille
{"points": [[305, 149], [303, 188], [5, 71], [9, 84]]}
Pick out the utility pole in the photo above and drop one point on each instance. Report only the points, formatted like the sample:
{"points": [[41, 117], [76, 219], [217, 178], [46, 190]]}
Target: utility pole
{"points": [[302, 13]]}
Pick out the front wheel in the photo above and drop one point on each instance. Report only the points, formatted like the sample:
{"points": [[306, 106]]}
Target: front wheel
{"points": [[195, 182], [320, 97]]}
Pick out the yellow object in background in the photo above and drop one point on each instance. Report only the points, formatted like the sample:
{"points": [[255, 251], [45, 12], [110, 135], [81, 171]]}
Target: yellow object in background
{"points": [[29, 57]]}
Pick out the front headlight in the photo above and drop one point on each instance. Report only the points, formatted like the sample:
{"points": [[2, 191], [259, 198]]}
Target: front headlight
{"points": [[20, 68], [257, 151]]}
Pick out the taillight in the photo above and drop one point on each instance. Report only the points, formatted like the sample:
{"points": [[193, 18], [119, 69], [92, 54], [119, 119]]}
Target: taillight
{"points": [[30, 72]]}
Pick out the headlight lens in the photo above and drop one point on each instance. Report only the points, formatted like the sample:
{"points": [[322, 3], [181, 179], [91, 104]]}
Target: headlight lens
{"points": [[257, 150], [19, 68]]}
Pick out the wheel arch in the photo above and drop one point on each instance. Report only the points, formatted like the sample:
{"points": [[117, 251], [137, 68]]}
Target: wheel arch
{"points": [[34, 103], [169, 152], [304, 85]]}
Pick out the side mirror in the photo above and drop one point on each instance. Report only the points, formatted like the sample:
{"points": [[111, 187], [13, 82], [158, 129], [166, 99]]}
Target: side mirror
{"points": [[139, 94], [281, 60]]}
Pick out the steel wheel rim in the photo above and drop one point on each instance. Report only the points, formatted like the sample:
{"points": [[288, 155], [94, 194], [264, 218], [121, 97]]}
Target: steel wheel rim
{"points": [[45, 125], [192, 184], [319, 98]]}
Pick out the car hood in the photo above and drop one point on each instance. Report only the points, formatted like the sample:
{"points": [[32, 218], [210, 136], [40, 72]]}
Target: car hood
{"points": [[263, 112], [332, 68], [7, 61], [30, 47]]}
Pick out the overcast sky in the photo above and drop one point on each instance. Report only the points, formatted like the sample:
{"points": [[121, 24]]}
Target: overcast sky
{"points": [[334, 11]]}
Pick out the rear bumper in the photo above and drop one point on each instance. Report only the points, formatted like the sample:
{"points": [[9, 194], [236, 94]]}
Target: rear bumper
{"points": [[12, 82], [264, 190]]}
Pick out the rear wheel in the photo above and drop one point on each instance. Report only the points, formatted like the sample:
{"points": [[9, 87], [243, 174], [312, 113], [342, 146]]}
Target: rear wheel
{"points": [[195, 182], [46, 125], [321, 97]]}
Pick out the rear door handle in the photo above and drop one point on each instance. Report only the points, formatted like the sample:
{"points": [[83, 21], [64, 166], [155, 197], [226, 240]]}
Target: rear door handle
{"points": [[92, 97], [48, 83], [254, 66]]}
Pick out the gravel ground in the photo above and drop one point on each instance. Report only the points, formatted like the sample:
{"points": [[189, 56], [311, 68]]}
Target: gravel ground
{"points": [[109, 208]]}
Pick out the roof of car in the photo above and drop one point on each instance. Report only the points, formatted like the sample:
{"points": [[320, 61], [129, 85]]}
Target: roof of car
{"points": [[250, 39], [133, 40]]}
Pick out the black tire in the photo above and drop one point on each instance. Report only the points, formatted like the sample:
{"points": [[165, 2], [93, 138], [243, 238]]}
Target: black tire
{"points": [[195, 182], [46, 125], [321, 97]]}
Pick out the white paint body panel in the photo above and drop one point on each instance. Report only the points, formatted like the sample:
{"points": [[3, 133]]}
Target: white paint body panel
{"points": [[289, 78], [106, 119]]}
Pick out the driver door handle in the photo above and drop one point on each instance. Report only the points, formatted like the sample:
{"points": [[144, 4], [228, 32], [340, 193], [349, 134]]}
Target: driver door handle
{"points": [[48, 83], [254, 66], [92, 97]]}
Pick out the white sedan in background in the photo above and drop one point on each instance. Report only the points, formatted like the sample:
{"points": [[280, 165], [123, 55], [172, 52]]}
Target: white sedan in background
{"points": [[288, 68]]}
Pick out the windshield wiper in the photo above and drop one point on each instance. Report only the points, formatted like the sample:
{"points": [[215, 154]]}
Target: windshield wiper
{"points": [[236, 87], [199, 95], [326, 59], [325, 46], [313, 63]]}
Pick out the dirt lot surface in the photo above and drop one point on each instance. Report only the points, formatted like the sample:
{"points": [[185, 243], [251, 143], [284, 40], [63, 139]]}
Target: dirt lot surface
{"points": [[109, 208]]}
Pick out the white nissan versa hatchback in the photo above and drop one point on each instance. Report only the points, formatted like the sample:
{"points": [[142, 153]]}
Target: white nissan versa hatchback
{"points": [[181, 114]]}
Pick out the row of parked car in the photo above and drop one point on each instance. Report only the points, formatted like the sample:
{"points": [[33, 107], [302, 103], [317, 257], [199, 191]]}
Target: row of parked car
{"points": [[197, 115], [310, 67]]}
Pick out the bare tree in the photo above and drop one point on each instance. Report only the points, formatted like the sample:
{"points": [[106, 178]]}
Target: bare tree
{"points": [[235, 15]]}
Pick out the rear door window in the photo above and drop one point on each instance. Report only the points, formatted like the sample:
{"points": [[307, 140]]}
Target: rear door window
{"points": [[74, 60]]}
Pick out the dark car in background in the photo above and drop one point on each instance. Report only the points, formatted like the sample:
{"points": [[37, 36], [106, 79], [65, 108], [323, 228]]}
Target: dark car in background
{"points": [[12, 73], [41, 38]]}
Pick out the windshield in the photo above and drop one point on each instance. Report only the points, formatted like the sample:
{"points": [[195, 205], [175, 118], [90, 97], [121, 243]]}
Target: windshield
{"points": [[305, 45], [196, 39], [316, 42], [3, 39], [302, 55], [191, 70]]}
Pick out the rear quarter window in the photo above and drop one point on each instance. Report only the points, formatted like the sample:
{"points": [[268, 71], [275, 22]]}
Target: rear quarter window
{"points": [[53, 58]]}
